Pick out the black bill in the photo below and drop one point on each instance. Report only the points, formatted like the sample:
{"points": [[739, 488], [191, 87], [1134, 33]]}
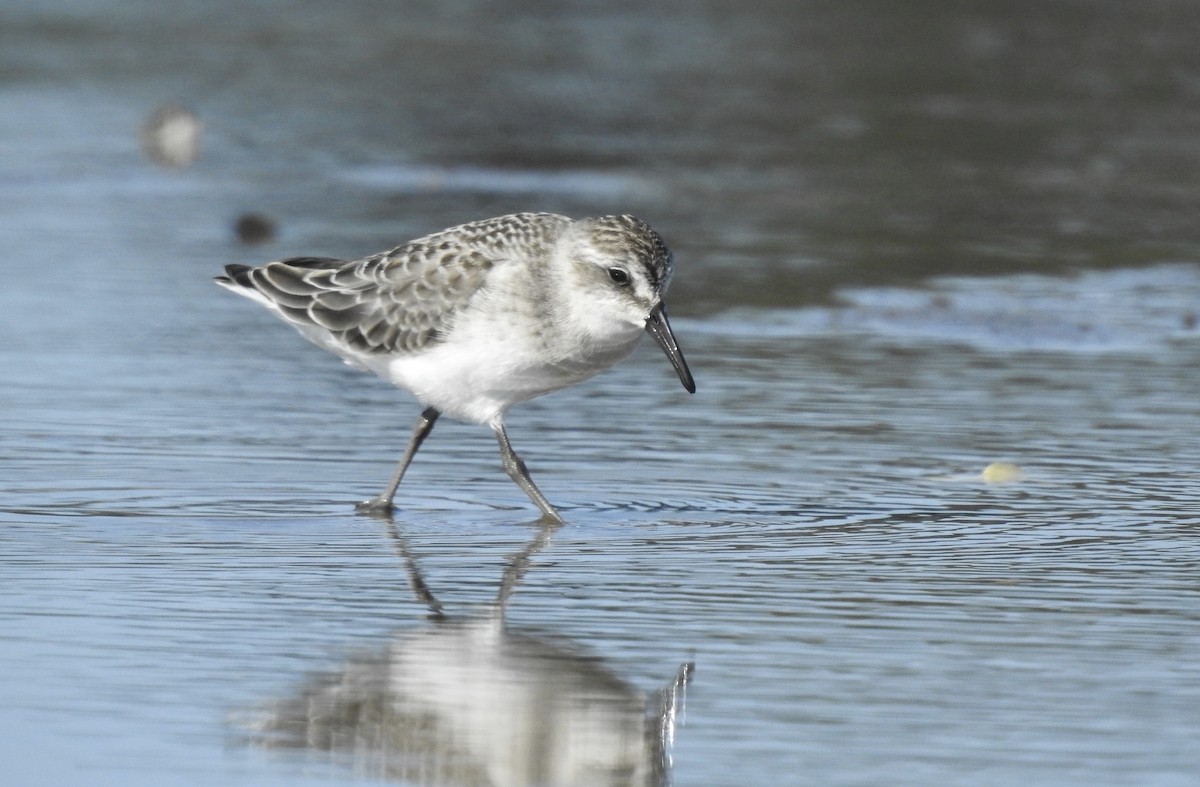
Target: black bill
{"points": [[658, 327]]}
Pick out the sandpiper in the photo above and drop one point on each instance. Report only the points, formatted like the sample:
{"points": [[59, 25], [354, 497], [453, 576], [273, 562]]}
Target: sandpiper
{"points": [[476, 318]]}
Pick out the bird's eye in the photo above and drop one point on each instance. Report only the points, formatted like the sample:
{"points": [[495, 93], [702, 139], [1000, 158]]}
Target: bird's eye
{"points": [[618, 275]]}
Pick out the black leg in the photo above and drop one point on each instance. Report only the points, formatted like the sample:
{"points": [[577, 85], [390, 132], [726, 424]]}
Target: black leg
{"points": [[383, 503], [517, 472]]}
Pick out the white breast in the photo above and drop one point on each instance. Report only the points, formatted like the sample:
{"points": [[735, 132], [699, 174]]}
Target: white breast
{"points": [[485, 367], [528, 332]]}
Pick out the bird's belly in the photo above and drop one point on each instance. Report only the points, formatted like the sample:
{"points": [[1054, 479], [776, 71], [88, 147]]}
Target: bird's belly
{"points": [[477, 380]]}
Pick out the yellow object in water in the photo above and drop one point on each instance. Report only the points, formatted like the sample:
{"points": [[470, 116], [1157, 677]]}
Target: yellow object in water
{"points": [[1002, 473]]}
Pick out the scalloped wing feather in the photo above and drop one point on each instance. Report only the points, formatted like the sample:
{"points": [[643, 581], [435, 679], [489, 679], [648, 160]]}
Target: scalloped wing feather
{"points": [[403, 300]]}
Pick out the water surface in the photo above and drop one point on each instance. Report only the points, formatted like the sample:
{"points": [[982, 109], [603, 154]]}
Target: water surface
{"points": [[910, 245]]}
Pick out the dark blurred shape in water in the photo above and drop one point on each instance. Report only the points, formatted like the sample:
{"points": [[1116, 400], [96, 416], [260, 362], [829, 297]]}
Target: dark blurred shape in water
{"points": [[253, 229]]}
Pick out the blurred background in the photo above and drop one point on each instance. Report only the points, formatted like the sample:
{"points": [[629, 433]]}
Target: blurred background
{"points": [[783, 148], [930, 518]]}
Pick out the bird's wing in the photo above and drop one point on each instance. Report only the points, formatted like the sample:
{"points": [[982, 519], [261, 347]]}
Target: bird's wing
{"points": [[397, 302], [403, 300]]}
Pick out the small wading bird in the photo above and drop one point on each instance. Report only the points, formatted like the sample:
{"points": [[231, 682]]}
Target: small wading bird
{"points": [[476, 318]]}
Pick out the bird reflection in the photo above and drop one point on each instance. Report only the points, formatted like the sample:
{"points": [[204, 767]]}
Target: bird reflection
{"points": [[470, 701]]}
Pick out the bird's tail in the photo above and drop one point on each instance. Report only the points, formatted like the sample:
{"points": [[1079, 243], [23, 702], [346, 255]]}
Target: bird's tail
{"points": [[235, 276]]}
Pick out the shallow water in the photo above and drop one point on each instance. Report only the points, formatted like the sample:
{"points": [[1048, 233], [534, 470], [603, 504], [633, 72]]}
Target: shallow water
{"points": [[892, 274]]}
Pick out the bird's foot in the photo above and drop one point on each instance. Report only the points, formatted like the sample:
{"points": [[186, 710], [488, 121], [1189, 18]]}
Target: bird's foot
{"points": [[552, 517], [376, 507]]}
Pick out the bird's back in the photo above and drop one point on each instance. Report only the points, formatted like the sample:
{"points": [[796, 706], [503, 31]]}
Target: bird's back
{"points": [[397, 302]]}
